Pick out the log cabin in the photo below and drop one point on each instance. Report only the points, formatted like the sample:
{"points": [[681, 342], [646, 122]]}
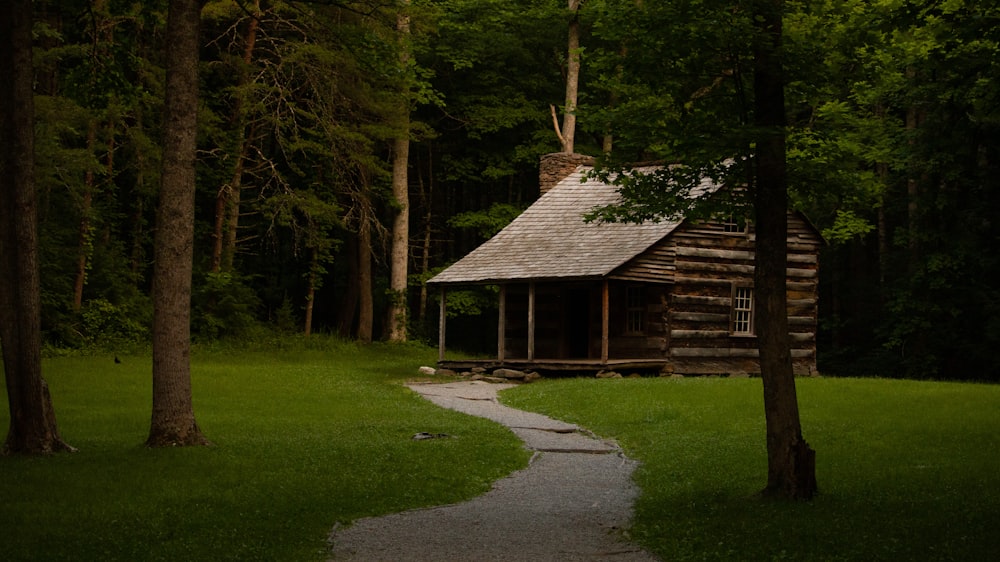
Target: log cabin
{"points": [[674, 297]]}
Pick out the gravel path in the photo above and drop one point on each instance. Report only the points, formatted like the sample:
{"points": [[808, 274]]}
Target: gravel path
{"points": [[570, 503]]}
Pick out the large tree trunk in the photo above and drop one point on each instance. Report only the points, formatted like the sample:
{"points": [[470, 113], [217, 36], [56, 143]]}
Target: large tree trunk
{"points": [[173, 420], [791, 463], [32, 420]]}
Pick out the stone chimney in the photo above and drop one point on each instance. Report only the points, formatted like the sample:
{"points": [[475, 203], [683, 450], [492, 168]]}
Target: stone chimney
{"points": [[554, 167]]}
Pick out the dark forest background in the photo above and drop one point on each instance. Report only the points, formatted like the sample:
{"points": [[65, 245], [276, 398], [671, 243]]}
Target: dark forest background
{"points": [[894, 150]]}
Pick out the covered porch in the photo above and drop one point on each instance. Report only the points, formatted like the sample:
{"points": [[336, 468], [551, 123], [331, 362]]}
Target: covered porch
{"points": [[565, 326]]}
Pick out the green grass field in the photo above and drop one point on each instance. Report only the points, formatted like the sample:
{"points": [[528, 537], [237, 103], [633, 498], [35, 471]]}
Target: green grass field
{"points": [[907, 470], [304, 439], [316, 433]]}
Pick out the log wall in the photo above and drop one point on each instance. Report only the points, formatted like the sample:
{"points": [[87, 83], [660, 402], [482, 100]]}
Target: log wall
{"points": [[703, 263]]}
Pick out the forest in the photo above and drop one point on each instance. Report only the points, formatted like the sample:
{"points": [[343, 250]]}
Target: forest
{"points": [[349, 150]]}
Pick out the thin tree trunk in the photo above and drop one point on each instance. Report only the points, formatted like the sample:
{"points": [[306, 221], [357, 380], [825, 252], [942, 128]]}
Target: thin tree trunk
{"points": [[84, 240], [136, 221], [311, 291], [227, 203], [400, 252], [349, 301], [913, 119], [791, 462], [366, 311], [400, 243], [33, 428], [173, 421], [572, 78], [425, 252]]}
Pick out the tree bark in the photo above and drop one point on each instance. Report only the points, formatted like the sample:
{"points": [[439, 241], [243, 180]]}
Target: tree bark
{"points": [[366, 310], [400, 252], [425, 251], [173, 421], [349, 300], [572, 78], [84, 241], [310, 291], [33, 427], [791, 462], [227, 204]]}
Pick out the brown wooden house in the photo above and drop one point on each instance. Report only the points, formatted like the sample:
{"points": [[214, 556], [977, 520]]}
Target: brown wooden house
{"points": [[671, 296]]}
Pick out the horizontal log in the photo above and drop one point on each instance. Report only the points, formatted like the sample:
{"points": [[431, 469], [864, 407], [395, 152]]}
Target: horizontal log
{"points": [[715, 253], [702, 299], [713, 281], [705, 317], [730, 352], [744, 255], [682, 334], [802, 273], [715, 267], [809, 258]]}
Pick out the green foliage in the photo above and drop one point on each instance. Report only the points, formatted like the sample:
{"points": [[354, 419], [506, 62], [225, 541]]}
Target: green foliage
{"points": [[471, 302], [893, 485], [674, 192], [222, 304], [846, 227], [893, 136], [487, 222], [317, 435], [108, 326]]}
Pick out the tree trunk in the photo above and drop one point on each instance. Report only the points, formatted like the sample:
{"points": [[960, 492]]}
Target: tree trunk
{"points": [[173, 420], [349, 300], [400, 243], [311, 291], [914, 116], [400, 252], [572, 78], [366, 312], [425, 251], [84, 241], [791, 462], [227, 204], [33, 427]]}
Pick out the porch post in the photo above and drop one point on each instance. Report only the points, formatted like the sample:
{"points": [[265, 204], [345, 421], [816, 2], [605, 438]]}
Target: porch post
{"points": [[531, 321], [441, 323], [605, 313], [502, 325]]}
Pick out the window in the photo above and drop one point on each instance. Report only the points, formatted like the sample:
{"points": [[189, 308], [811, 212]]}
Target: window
{"points": [[733, 225], [742, 311], [635, 310]]}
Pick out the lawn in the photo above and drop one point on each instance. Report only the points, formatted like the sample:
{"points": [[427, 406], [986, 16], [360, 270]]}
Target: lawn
{"points": [[313, 434], [304, 438], [907, 470]]}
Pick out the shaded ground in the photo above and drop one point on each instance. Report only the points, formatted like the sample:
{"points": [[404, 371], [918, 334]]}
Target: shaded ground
{"points": [[570, 503]]}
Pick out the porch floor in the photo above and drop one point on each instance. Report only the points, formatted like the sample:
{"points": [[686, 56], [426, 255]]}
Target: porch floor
{"points": [[559, 366]]}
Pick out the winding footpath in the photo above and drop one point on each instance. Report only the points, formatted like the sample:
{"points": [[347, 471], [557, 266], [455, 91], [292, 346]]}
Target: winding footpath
{"points": [[571, 503]]}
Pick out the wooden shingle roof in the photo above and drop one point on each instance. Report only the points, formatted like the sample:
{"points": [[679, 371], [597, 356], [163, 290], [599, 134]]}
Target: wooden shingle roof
{"points": [[550, 240]]}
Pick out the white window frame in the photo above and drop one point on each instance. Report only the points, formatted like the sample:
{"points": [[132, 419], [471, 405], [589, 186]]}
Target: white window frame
{"points": [[742, 321]]}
